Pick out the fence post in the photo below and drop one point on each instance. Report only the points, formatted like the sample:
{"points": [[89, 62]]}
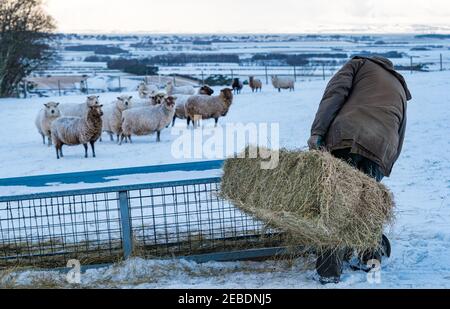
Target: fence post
{"points": [[411, 58], [232, 74], [120, 84], [125, 222], [203, 78], [59, 87], [442, 67], [87, 87], [295, 73], [174, 81], [323, 71], [267, 75]]}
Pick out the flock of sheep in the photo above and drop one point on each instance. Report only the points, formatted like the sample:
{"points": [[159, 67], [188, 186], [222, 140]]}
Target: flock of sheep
{"points": [[154, 110]]}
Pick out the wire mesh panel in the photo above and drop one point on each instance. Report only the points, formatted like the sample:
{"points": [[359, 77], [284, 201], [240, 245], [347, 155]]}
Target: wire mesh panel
{"points": [[191, 219], [50, 231], [104, 225]]}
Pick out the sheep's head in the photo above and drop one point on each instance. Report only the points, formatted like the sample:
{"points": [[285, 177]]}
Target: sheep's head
{"points": [[52, 110], [93, 100], [124, 102], [95, 110], [206, 90], [227, 93], [169, 101], [158, 98]]}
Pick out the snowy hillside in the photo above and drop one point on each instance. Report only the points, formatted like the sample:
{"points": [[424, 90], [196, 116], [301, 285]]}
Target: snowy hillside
{"points": [[420, 182]]}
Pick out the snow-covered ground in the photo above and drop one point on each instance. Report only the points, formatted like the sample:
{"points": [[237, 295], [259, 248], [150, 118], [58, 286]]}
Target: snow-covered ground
{"points": [[420, 182]]}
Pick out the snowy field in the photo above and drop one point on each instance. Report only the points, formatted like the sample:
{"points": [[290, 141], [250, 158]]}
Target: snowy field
{"points": [[420, 182]]}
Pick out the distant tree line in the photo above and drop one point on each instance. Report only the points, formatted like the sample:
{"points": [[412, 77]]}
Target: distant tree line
{"points": [[133, 66], [391, 54], [97, 49]]}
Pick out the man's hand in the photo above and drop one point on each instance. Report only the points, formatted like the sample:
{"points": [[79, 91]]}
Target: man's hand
{"points": [[316, 142]]}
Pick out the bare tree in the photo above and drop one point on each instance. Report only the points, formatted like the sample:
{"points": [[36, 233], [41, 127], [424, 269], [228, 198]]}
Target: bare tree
{"points": [[25, 34]]}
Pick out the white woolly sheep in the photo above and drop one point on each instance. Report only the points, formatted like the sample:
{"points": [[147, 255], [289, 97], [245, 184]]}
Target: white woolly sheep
{"points": [[205, 107], [147, 120], [112, 118], [180, 111], [44, 120], [255, 84], [172, 90], [72, 131], [78, 110], [145, 91], [283, 83]]}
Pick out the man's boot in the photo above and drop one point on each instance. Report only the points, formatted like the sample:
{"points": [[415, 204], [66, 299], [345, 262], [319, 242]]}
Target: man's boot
{"points": [[329, 266]]}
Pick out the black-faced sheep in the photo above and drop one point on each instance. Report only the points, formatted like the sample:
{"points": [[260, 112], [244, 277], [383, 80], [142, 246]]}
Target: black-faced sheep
{"points": [[73, 131], [237, 86], [147, 120], [208, 107], [180, 111], [44, 120]]}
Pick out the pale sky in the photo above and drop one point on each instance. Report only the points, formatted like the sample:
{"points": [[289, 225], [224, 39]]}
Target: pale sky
{"points": [[249, 16]]}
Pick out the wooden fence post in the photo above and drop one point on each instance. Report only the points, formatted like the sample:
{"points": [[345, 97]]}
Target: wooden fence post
{"points": [[295, 73], [120, 84], [267, 75], [59, 87], [411, 64], [442, 67]]}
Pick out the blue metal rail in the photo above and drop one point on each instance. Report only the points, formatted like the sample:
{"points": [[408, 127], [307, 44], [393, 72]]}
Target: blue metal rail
{"points": [[104, 176]]}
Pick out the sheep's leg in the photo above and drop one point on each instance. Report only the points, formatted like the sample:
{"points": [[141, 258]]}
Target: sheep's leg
{"points": [[129, 138], [61, 152], [50, 141], [158, 136], [279, 89], [57, 152], [93, 148], [174, 120], [43, 139], [111, 137], [121, 139], [217, 121], [85, 150], [188, 121], [118, 138]]}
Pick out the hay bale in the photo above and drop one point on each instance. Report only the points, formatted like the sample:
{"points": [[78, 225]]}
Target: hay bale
{"points": [[319, 201]]}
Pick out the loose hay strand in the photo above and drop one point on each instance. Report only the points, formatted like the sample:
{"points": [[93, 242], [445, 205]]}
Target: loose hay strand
{"points": [[320, 202]]}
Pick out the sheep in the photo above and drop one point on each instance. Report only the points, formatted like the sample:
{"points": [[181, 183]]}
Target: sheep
{"points": [[205, 90], [172, 90], [74, 131], [255, 84], [205, 107], [181, 102], [147, 120], [154, 99], [237, 86], [145, 91], [112, 118], [283, 83], [44, 120], [78, 110]]}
